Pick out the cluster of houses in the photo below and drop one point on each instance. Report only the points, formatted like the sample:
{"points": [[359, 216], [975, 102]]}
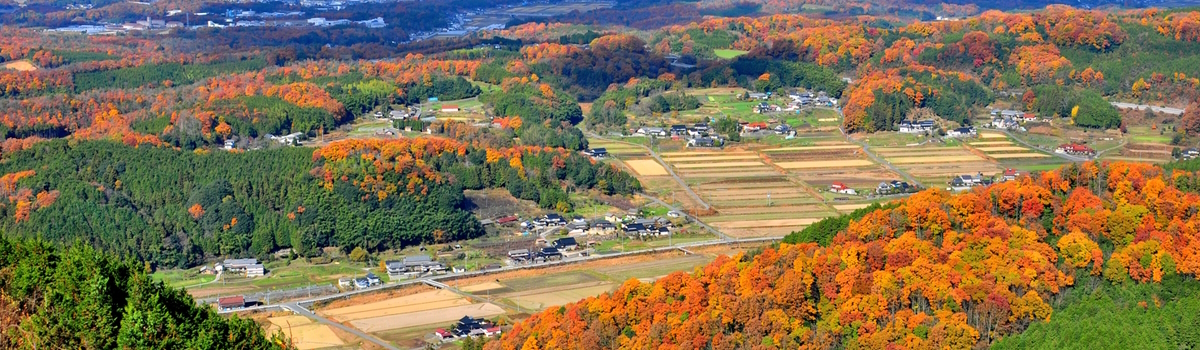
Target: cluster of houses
{"points": [[1011, 119], [895, 187], [1075, 149], [414, 266], [963, 132], [468, 326], [842, 188], [370, 280], [918, 127], [966, 181], [1189, 153], [698, 135], [798, 99], [249, 267], [405, 113]]}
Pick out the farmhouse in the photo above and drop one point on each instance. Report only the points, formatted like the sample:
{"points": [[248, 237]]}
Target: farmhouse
{"points": [[566, 243], [917, 127], [705, 142], [468, 327], [255, 270], [230, 303], [602, 227], [759, 95], [450, 109], [678, 129], [506, 219], [1010, 174], [548, 253], [755, 126], [962, 132], [518, 254], [1005, 123], [1191, 153], [839, 187], [597, 153], [1075, 149], [652, 131], [373, 280], [345, 282], [239, 265], [361, 283]]}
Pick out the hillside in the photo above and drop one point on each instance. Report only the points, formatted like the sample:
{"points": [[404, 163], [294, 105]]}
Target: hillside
{"points": [[78, 298], [932, 271]]}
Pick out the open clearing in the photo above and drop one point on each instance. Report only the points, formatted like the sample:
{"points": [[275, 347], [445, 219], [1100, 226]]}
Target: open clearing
{"points": [[767, 223], [719, 165], [825, 164], [647, 167], [728, 54], [304, 333], [20, 66], [421, 318], [1019, 155]]}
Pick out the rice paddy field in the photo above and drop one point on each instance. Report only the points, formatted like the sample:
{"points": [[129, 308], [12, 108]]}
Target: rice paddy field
{"points": [[1011, 155], [934, 166]]}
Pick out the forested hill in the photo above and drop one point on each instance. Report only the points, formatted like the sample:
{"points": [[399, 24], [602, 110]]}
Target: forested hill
{"points": [[78, 298], [936, 270], [176, 208]]}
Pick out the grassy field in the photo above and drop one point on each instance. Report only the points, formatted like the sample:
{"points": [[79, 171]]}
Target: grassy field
{"points": [[729, 54]]}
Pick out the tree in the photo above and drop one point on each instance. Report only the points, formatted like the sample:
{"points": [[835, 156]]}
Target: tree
{"points": [[358, 254]]}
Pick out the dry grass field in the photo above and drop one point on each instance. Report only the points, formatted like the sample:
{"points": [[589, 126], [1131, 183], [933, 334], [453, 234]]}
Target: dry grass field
{"points": [[21, 66], [817, 164], [1019, 155], [445, 315], [646, 167], [304, 332]]}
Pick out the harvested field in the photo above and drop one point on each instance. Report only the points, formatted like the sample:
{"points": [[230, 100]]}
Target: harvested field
{"points": [[778, 195], [412, 303], [827, 119], [766, 223], [704, 153], [481, 287], [427, 317], [743, 185], [556, 296], [825, 164], [709, 158], [1019, 155], [990, 143], [762, 231], [991, 135], [850, 207], [937, 159], [925, 153], [722, 218], [646, 167], [1002, 149], [304, 333], [763, 202], [728, 173], [774, 210], [812, 148], [783, 189], [719, 165]]}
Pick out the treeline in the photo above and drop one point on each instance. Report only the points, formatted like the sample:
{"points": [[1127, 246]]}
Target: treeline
{"points": [[445, 89], [1086, 107], [780, 74], [548, 117], [80, 298], [160, 74]]}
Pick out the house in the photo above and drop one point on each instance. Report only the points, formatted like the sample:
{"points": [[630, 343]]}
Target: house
{"points": [[468, 327], [883, 187], [782, 129], [1010, 174], [255, 270], [361, 283], [962, 132], [596, 153], [1075, 149], [395, 267], [602, 227], [763, 107], [548, 253], [678, 129], [518, 254], [577, 228], [553, 219], [839, 187], [759, 96], [700, 127], [506, 219], [755, 126], [241, 265], [373, 280], [674, 214], [704, 142], [345, 282], [230, 143], [566, 243], [398, 114], [662, 231], [230, 303], [450, 109], [1029, 117], [652, 131], [635, 229], [1005, 123], [1191, 152]]}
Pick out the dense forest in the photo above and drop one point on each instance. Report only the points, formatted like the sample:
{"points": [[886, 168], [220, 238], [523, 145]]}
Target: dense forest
{"points": [[79, 298], [176, 208], [934, 270]]}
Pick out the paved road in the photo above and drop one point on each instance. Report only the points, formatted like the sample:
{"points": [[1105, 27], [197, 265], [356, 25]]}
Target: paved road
{"points": [[1156, 109], [683, 184]]}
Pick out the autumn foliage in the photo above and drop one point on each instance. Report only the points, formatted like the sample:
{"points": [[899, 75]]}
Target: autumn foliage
{"points": [[935, 270]]}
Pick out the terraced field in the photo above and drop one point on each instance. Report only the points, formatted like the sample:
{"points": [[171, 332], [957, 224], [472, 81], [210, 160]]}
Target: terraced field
{"points": [[934, 166]]}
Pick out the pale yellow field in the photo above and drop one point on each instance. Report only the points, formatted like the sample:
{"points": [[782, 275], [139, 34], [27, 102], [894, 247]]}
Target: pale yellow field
{"points": [[990, 143], [702, 154], [481, 287], [719, 165], [932, 160], [926, 153], [561, 296], [304, 333], [991, 135], [1002, 149], [22, 66], [1019, 155], [412, 303], [850, 207], [827, 119], [825, 164], [427, 317], [709, 158], [647, 167], [810, 148], [766, 223]]}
